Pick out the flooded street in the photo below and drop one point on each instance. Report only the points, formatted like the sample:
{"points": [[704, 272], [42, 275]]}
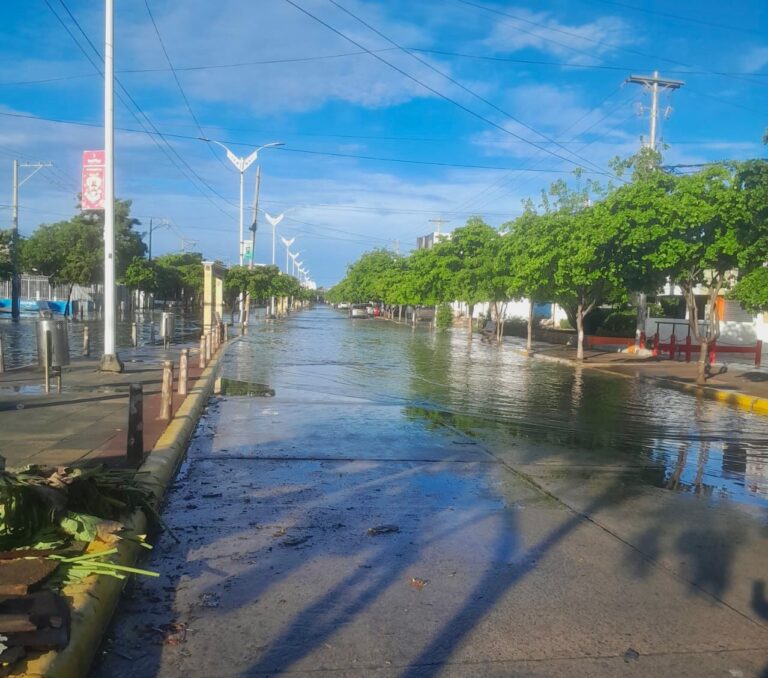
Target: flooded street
{"points": [[368, 499]]}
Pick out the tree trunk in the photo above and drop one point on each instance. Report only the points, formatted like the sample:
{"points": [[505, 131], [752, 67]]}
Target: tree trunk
{"points": [[580, 332], [529, 341], [470, 311], [641, 310]]}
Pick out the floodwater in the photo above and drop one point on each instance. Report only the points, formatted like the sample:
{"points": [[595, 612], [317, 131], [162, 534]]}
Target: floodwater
{"points": [[678, 441], [356, 501], [20, 338]]}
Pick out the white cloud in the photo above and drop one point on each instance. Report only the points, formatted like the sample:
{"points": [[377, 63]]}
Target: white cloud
{"points": [[578, 43], [237, 32], [755, 59]]}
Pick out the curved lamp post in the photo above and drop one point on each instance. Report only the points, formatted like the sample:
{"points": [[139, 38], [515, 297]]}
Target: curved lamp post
{"points": [[241, 164], [287, 242]]}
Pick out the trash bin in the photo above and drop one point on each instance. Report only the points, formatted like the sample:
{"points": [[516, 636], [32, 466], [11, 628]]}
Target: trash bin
{"points": [[59, 342], [167, 327]]}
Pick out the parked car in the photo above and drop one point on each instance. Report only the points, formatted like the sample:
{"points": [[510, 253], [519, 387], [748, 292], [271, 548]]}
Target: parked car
{"points": [[358, 311]]}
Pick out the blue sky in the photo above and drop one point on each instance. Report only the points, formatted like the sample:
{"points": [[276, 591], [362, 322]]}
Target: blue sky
{"points": [[502, 99]]}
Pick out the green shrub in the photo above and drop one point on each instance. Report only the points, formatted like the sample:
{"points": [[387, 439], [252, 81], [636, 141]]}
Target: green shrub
{"points": [[565, 324]]}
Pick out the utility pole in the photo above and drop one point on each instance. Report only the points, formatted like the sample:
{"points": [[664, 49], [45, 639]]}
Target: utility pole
{"points": [[15, 276], [110, 362], [397, 247], [439, 223], [654, 83], [255, 216]]}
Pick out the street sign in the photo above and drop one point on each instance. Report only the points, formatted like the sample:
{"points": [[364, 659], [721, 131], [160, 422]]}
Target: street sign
{"points": [[92, 190]]}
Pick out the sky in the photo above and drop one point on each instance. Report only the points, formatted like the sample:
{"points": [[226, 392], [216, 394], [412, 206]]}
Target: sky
{"points": [[392, 113]]}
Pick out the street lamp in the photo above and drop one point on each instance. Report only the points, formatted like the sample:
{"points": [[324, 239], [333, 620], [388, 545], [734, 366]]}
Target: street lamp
{"points": [[287, 244], [241, 164], [294, 256]]}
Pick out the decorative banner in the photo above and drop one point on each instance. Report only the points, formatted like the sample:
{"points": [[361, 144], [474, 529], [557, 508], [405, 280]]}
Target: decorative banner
{"points": [[92, 191]]}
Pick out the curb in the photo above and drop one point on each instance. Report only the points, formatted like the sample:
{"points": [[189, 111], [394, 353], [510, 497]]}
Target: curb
{"points": [[94, 601], [743, 401]]}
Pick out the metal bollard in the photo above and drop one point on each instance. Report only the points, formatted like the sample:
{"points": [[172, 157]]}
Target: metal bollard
{"points": [[203, 362], [86, 342], [207, 347], [166, 396], [183, 372], [134, 335], [47, 353], [2, 357], [135, 448]]}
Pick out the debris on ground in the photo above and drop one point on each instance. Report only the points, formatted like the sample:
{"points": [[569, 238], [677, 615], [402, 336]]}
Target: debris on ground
{"points": [[631, 655], [58, 526], [382, 529], [418, 583], [209, 600], [295, 541], [279, 532], [174, 633]]}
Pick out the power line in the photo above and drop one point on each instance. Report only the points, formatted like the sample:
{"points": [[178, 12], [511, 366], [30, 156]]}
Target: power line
{"points": [[138, 108], [286, 149], [427, 87], [679, 17], [612, 45], [178, 84], [467, 89]]}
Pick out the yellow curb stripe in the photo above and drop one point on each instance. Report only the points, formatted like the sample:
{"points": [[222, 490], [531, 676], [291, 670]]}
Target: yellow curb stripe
{"points": [[94, 600]]}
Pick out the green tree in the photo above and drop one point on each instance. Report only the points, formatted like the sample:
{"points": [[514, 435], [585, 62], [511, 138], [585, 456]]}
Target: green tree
{"points": [[464, 265], [141, 275], [752, 290], [708, 227], [5, 255]]}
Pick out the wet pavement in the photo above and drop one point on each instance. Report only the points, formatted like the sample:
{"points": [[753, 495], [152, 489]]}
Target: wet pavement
{"points": [[408, 504]]}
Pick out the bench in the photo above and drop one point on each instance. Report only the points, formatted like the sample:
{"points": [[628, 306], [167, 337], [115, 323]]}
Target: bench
{"points": [[489, 331]]}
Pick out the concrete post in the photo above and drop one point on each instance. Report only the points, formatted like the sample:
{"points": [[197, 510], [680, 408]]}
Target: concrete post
{"points": [[134, 335], [183, 371], [203, 361], [86, 342], [166, 395], [135, 447], [2, 357], [207, 347]]}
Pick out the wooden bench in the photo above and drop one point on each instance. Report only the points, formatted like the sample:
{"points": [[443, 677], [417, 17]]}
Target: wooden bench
{"points": [[489, 331]]}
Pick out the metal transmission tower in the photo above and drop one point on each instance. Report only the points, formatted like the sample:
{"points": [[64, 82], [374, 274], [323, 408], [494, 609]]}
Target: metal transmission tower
{"points": [[439, 223], [654, 83]]}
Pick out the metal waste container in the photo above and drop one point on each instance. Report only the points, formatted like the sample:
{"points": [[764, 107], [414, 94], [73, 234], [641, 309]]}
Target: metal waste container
{"points": [[59, 342], [167, 327]]}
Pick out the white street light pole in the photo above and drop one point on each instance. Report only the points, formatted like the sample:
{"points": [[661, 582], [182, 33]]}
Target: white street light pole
{"points": [[274, 221], [294, 256], [241, 164], [110, 362], [287, 244]]}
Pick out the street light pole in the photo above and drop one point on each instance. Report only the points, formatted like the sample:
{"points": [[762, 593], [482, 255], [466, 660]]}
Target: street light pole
{"points": [[287, 244], [110, 362], [241, 165]]}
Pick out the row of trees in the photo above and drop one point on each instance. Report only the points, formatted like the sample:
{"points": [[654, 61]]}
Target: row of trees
{"points": [[71, 253], [596, 245], [260, 284]]}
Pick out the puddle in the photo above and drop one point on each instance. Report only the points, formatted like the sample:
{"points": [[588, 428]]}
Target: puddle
{"points": [[234, 387]]}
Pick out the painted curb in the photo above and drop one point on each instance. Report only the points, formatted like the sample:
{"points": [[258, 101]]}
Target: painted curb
{"points": [[94, 601], [744, 401]]}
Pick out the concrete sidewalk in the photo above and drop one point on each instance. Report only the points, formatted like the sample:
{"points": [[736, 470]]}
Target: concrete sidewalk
{"points": [[86, 422], [474, 570]]}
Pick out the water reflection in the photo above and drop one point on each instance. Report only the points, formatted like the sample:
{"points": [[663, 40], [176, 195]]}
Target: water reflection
{"points": [[672, 439], [20, 340]]}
